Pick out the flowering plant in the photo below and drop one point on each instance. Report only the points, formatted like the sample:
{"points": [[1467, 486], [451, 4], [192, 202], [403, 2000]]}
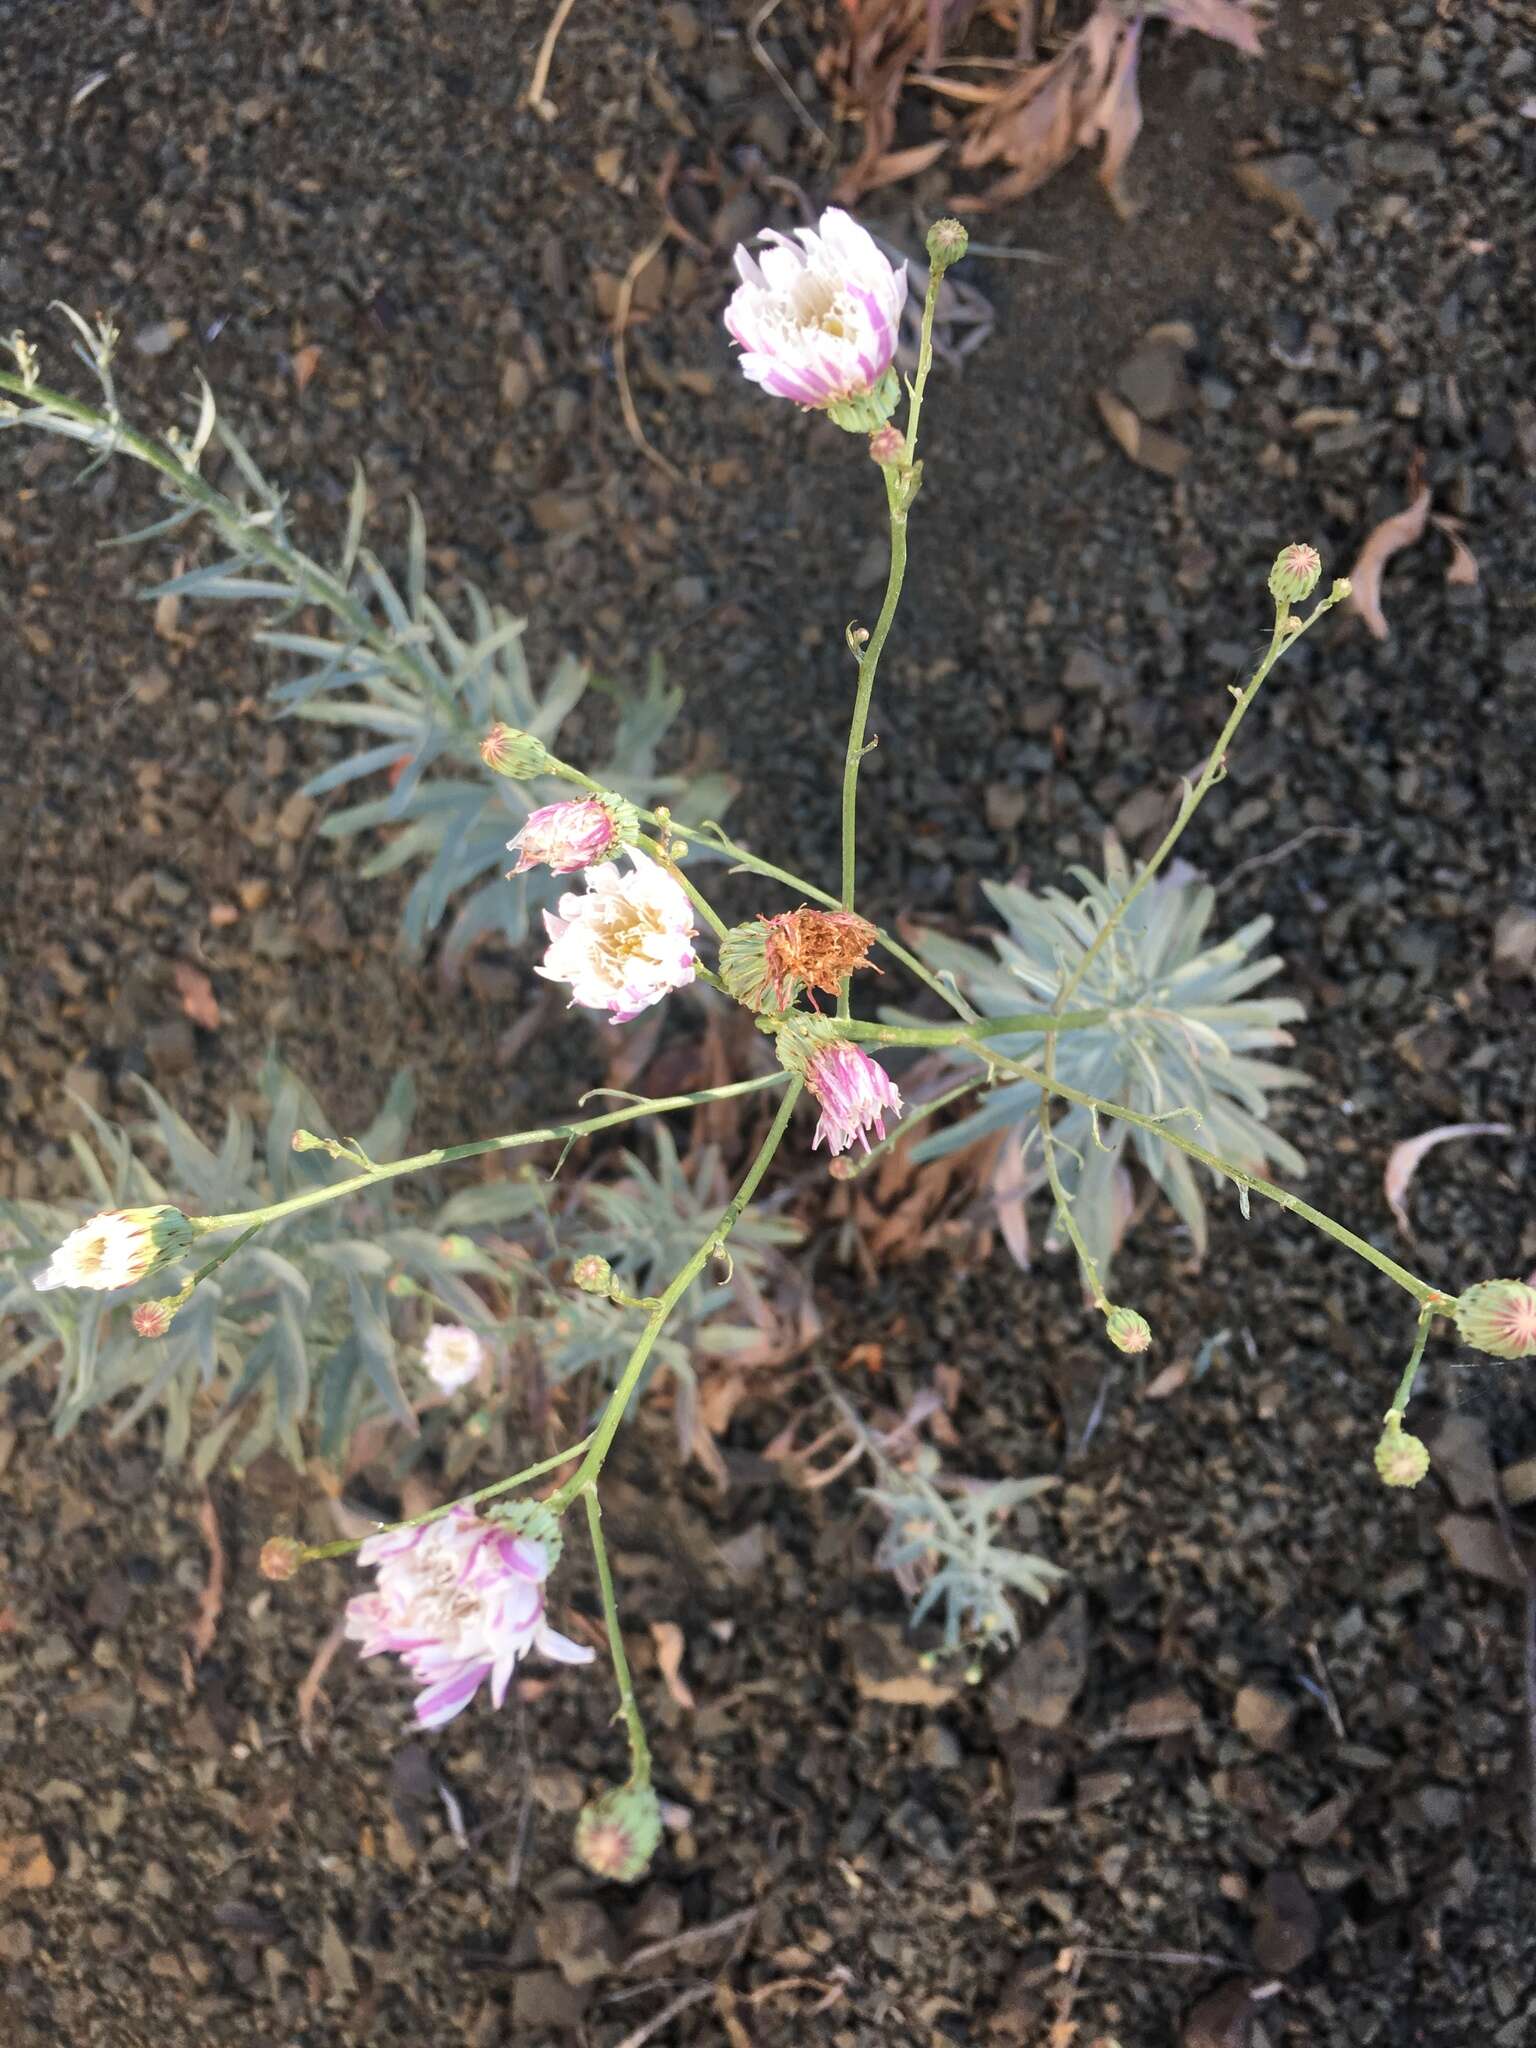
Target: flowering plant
{"points": [[459, 1593]]}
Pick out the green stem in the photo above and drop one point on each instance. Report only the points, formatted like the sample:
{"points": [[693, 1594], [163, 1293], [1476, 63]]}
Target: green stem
{"points": [[1043, 1021], [446, 1155], [1421, 1290], [314, 1551], [1085, 1258], [869, 663], [676, 1288], [1194, 796], [629, 1707], [1404, 1392]]}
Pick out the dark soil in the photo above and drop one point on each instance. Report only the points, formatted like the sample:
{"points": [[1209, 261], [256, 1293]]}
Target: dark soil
{"points": [[176, 1862]]}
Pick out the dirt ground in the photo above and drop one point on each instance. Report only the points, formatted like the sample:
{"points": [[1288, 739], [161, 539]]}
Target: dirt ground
{"points": [[1297, 1761]]}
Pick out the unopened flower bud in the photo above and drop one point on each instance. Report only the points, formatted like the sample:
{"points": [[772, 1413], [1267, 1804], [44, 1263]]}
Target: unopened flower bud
{"points": [[888, 445], [1342, 588], [1127, 1329], [616, 1835], [154, 1318], [1499, 1317], [506, 751], [281, 1557], [1295, 573], [1401, 1460], [842, 1168], [947, 243], [456, 1245], [592, 1274], [306, 1141]]}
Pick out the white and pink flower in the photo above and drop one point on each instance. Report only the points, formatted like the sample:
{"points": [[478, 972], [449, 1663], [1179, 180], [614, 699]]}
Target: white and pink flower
{"points": [[566, 836], [818, 323], [452, 1355], [854, 1092], [117, 1248], [626, 943], [459, 1601]]}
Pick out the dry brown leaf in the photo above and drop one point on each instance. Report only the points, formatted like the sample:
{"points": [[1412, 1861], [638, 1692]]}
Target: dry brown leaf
{"points": [[670, 1645], [305, 362], [210, 1604], [25, 1865], [1227, 20], [897, 164], [309, 1686], [1117, 117], [1148, 447], [1400, 531], [198, 1000], [1462, 568], [1403, 1160], [1168, 1381]]}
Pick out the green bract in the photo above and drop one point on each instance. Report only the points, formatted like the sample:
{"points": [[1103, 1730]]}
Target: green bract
{"points": [[1180, 1037]]}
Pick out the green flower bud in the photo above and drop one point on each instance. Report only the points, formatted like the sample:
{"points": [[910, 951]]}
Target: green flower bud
{"points": [[1295, 573], [1401, 1459], [1499, 1317], [281, 1557], [947, 243], [1127, 1329], [506, 751], [617, 1834], [870, 409], [592, 1274], [888, 445]]}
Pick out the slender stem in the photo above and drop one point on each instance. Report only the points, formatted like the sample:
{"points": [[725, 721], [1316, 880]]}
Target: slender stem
{"points": [[340, 1548], [869, 663], [1194, 796], [629, 1707], [1043, 1021], [924, 360], [1085, 1258], [446, 1155], [1404, 1392], [1421, 1290], [677, 1287]]}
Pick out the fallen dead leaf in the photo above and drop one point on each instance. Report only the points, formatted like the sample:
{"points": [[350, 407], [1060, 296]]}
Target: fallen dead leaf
{"points": [[1045, 1677], [1148, 447], [210, 1603], [1403, 1160], [1400, 531], [1476, 1545], [198, 1000], [25, 1865], [305, 362], [670, 1645], [1168, 1381], [1462, 567], [1166, 1713]]}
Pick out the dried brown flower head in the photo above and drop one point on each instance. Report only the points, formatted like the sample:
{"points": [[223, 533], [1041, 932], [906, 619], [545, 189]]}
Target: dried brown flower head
{"points": [[815, 949]]}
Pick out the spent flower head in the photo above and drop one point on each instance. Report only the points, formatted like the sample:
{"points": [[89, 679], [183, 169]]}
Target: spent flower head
{"points": [[817, 318], [854, 1092]]}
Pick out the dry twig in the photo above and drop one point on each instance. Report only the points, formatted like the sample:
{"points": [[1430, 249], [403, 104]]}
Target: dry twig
{"points": [[546, 108]]}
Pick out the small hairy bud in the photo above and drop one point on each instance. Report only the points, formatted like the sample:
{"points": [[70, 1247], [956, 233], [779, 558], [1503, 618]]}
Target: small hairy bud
{"points": [[592, 1274], [1401, 1460], [506, 751], [281, 1557], [154, 1318], [1499, 1317], [1342, 588], [306, 1141], [947, 243], [888, 445], [1127, 1329], [617, 1834], [1295, 573], [842, 1168]]}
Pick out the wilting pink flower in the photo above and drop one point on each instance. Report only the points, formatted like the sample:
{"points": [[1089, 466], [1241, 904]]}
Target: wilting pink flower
{"points": [[117, 1248], [459, 1601], [452, 1356], [626, 943], [564, 837], [854, 1092], [818, 323]]}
